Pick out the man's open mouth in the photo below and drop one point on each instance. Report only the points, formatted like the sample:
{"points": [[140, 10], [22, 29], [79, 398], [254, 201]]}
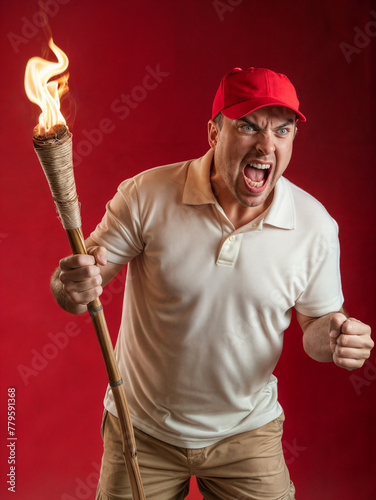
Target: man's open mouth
{"points": [[256, 174]]}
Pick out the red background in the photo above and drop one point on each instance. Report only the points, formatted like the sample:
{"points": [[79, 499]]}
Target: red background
{"points": [[329, 435]]}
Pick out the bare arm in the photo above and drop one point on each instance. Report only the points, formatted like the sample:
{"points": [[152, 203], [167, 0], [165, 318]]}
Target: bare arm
{"points": [[336, 337], [79, 279]]}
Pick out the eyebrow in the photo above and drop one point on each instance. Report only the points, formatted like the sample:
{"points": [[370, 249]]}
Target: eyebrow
{"points": [[290, 121]]}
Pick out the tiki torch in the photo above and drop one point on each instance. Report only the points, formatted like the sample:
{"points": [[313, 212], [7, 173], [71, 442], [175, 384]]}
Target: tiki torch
{"points": [[53, 146]]}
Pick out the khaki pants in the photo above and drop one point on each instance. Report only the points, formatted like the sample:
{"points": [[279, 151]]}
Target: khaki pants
{"points": [[249, 466]]}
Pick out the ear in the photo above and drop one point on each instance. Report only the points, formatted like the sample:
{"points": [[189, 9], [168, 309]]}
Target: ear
{"points": [[296, 131], [213, 133]]}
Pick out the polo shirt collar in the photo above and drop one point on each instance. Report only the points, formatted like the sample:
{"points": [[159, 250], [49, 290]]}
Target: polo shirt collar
{"points": [[198, 191], [282, 212]]}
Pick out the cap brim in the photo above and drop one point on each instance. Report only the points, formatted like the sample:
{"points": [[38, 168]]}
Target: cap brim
{"points": [[243, 108]]}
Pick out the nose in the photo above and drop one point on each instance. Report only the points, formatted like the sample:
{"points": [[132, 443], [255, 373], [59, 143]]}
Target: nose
{"points": [[265, 144]]}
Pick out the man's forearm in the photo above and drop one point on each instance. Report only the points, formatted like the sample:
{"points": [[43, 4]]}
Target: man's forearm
{"points": [[316, 340], [316, 337]]}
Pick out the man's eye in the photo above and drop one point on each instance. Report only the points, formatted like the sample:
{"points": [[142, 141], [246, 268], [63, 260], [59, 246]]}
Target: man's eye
{"points": [[283, 131], [248, 128]]}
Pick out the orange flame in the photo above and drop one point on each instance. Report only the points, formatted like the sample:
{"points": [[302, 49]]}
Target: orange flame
{"points": [[44, 93]]}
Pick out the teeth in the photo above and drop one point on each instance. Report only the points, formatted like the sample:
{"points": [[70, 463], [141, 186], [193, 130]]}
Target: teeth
{"points": [[254, 184], [261, 166]]}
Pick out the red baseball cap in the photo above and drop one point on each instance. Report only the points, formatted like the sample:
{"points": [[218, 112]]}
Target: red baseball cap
{"points": [[243, 91]]}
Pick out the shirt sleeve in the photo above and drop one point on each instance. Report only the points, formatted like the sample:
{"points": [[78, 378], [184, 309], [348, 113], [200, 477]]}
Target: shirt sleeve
{"points": [[323, 293], [120, 229]]}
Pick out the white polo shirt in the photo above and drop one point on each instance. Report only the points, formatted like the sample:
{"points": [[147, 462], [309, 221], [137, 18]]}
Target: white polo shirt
{"points": [[205, 306]]}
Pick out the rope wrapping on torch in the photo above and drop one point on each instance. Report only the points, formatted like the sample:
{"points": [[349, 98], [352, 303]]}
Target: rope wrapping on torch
{"points": [[55, 155]]}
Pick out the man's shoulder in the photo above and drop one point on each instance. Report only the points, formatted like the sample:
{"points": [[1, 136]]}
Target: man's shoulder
{"points": [[173, 173], [158, 185], [162, 172]]}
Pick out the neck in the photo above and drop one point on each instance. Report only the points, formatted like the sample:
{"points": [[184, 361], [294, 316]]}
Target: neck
{"points": [[239, 215]]}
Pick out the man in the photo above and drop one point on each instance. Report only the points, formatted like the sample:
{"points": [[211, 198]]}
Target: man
{"points": [[220, 250]]}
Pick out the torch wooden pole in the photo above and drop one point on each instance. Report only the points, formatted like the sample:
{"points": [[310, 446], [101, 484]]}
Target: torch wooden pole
{"points": [[95, 309], [55, 155]]}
